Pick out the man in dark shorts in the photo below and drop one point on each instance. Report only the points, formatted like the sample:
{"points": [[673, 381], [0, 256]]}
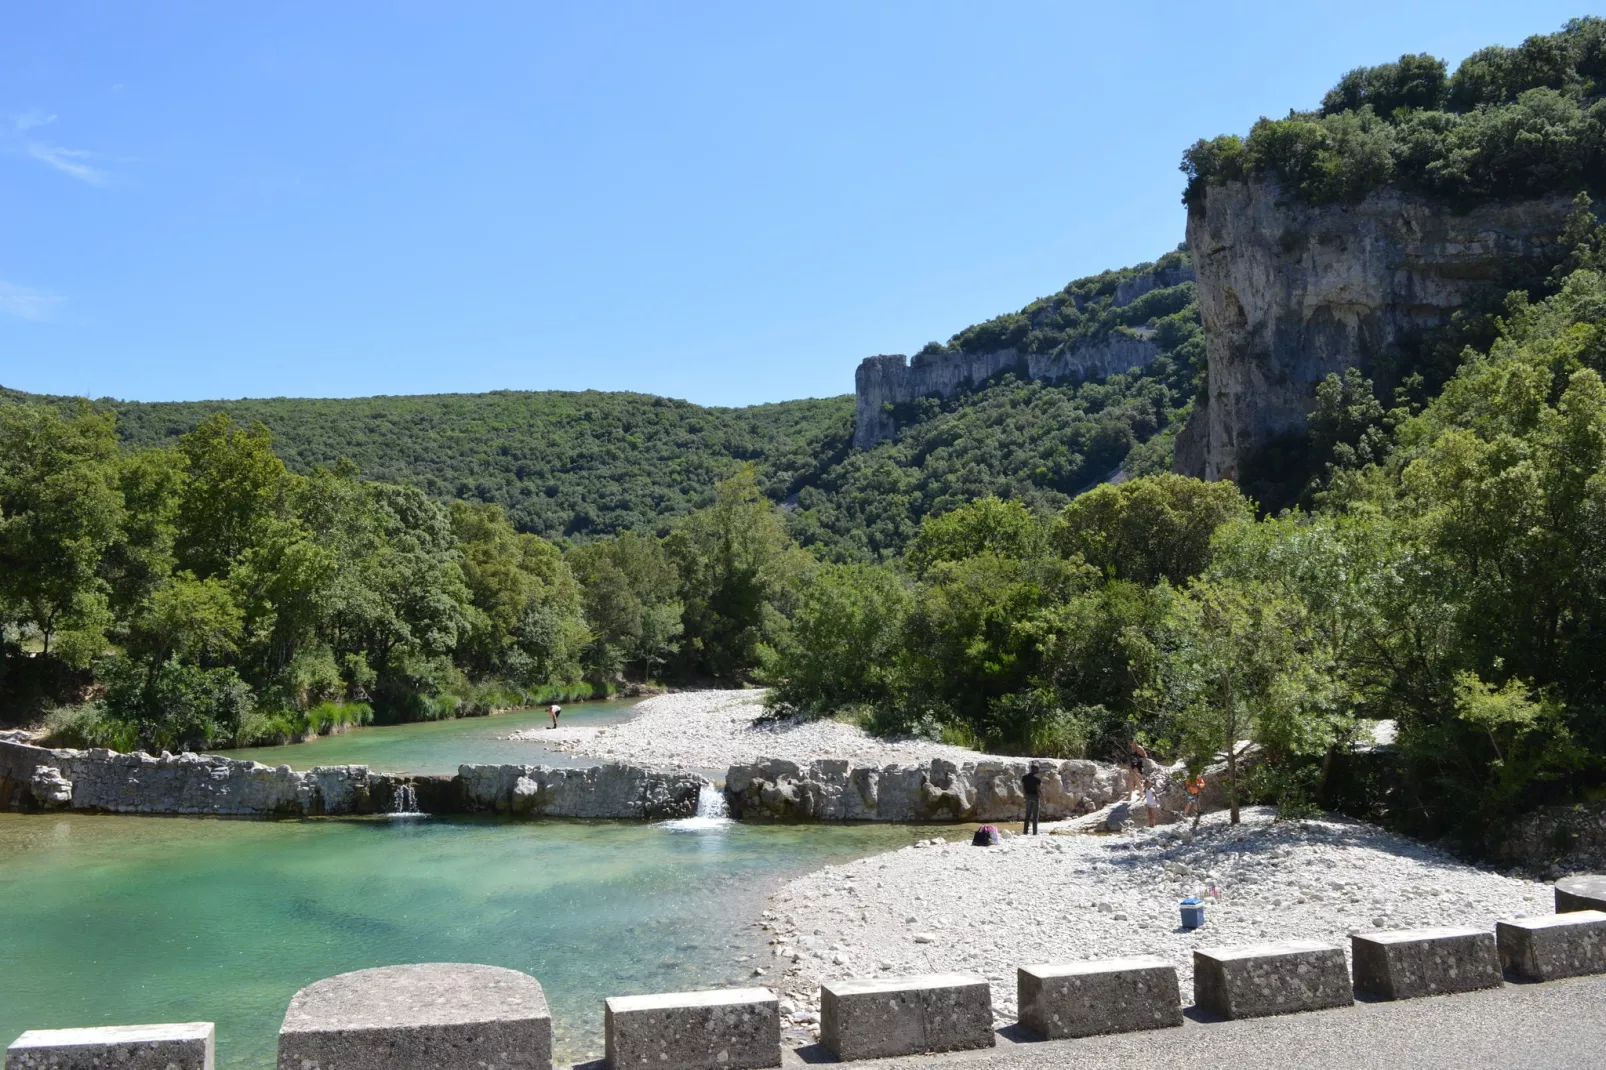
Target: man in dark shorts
{"points": [[1030, 784]]}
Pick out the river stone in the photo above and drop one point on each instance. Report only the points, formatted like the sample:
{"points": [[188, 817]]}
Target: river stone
{"points": [[172, 1046], [1408, 963], [734, 1028], [875, 1019], [1555, 945], [1083, 999], [1262, 979], [1586, 891], [421, 1017]]}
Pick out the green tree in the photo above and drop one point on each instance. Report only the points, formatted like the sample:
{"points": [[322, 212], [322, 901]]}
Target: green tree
{"points": [[1145, 530], [631, 604], [60, 509], [737, 567], [234, 484], [845, 640]]}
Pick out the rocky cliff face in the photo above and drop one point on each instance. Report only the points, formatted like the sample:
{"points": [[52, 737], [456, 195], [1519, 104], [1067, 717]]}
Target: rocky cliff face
{"points": [[896, 379], [1290, 293]]}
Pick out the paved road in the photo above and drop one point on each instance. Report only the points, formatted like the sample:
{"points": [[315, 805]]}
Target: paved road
{"points": [[1556, 1026]]}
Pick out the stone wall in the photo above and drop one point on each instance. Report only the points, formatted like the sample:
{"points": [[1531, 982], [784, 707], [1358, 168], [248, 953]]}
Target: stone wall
{"points": [[600, 791], [105, 780], [1291, 292], [839, 790], [896, 379]]}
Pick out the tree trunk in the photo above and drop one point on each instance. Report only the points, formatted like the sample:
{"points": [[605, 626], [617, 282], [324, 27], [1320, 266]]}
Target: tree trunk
{"points": [[1232, 778]]}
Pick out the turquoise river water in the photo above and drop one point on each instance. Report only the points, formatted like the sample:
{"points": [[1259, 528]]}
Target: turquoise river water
{"points": [[121, 920]]}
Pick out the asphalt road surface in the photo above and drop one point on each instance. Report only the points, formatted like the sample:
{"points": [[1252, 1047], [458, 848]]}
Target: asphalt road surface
{"points": [[1560, 1025]]}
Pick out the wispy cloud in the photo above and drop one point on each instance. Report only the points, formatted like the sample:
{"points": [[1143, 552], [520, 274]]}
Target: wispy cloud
{"points": [[72, 162], [26, 303], [33, 119]]}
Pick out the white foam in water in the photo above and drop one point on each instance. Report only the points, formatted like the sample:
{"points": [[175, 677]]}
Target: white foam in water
{"points": [[406, 803], [712, 813]]}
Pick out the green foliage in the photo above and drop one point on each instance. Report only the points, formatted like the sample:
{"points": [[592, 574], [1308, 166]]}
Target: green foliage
{"points": [[842, 647], [631, 593], [1146, 530], [1510, 123], [737, 569]]}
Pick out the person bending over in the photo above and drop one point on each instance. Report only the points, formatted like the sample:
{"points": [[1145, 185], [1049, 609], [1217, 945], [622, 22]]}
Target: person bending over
{"points": [[1031, 783]]}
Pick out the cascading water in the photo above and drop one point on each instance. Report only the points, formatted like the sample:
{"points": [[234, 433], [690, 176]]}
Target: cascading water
{"points": [[405, 802], [712, 813]]}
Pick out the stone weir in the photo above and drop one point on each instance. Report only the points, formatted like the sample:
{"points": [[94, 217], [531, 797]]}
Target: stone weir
{"points": [[939, 790], [103, 780]]}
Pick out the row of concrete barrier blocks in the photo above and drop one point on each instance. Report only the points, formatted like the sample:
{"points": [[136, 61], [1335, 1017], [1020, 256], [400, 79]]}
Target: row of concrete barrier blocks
{"points": [[432, 1015]]}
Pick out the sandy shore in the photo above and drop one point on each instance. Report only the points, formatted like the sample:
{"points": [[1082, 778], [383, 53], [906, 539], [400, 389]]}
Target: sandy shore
{"points": [[946, 906], [712, 730]]}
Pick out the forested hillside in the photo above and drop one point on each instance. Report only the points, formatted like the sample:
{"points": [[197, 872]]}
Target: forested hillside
{"points": [[574, 466]]}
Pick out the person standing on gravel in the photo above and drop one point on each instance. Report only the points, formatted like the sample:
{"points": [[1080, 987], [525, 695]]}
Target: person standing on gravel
{"points": [[553, 711], [1031, 783], [1134, 761]]}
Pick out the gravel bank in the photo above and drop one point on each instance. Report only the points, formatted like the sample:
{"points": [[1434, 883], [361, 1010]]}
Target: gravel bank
{"points": [[696, 730], [949, 906]]}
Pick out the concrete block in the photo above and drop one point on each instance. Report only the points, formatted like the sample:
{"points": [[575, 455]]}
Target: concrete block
{"points": [[733, 1028], [1249, 982], [874, 1019], [422, 1017], [1083, 999], [1586, 891], [1556, 945], [174, 1046], [1408, 963]]}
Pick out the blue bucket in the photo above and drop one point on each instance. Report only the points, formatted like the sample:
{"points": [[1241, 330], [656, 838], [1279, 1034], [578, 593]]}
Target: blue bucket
{"points": [[1192, 913]]}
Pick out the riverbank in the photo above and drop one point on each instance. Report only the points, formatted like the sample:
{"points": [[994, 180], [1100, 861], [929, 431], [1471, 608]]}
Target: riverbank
{"points": [[713, 730], [946, 906]]}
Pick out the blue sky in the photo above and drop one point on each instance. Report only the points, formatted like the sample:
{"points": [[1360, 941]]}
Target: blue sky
{"points": [[730, 203]]}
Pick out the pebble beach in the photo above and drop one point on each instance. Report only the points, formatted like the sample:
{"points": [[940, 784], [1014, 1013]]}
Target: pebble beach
{"points": [[945, 906], [692, 731]]}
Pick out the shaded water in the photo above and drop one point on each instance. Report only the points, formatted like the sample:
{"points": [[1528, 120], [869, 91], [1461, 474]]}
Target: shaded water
{"points": [[441, 746], [119, 920]]}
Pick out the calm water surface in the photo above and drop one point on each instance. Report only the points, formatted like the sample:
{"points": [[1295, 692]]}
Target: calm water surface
{"points": [[441, 746], [119, 920]]}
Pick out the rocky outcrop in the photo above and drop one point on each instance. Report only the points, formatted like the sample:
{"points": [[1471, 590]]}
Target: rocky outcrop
{"points": [[104, 780], [939, 790], [1290, 293], [602, 791], [895, 380]]}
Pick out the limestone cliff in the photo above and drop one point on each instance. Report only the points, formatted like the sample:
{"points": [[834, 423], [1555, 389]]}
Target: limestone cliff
{"points": [[1290, 293], [882, 381]]}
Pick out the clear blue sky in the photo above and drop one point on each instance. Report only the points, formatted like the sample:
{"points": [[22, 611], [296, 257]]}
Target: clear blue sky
{"points": [[726, 202]]}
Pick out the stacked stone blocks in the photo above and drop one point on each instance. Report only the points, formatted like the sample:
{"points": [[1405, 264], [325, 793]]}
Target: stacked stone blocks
{"points": [[733, 1029], [1408, 963], [419, 1017], [1554, 946], [1083, 999], [1277, 978], [172, 1046], [875, 1019], [1585, 891]]}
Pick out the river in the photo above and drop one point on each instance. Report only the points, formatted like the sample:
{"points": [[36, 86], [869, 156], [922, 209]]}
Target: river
{"points": [[122, 920]]}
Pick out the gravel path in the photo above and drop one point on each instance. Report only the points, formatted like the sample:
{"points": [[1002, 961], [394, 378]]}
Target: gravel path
{"points": [[947, 906], [698, 730]]}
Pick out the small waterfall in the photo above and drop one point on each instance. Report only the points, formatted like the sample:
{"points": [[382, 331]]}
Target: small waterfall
{"points": [[405, 802], [712, 813]]}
